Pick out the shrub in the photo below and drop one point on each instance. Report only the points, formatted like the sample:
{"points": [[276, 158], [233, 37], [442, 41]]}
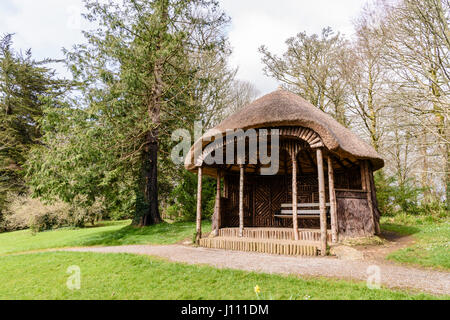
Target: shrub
{"points": [[82, 210], [25, 212], [184, 196], [394, 199]]}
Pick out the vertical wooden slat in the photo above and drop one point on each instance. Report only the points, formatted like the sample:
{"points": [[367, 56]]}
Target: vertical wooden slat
{"points": [[368, 189], [198, 234], [217, 216], [241, 200], [294, 195], [322, 206], [333, 212]]}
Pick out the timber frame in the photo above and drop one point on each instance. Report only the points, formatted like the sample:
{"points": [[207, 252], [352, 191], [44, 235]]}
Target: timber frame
{"points": [[308, 173], [321, 191]]}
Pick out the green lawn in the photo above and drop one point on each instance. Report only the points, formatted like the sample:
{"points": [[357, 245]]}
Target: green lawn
{"points": [[126, 276], [106, 234], [432, 247]]}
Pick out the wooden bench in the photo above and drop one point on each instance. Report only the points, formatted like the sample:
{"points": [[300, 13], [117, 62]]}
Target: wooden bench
{"points": [[286, 210]]}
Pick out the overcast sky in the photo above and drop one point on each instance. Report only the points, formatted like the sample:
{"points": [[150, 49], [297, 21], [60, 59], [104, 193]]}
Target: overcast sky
{"points": [[46, 26]]}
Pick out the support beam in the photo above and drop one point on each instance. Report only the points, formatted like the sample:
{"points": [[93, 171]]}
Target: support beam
{"points": [[366, 186], [198, 233], [333, 211], [241, 200], [323, 212], [217, 217], [294, 195]]}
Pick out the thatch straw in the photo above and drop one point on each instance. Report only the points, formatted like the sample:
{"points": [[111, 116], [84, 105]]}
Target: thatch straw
{"points": [[282, 108]]}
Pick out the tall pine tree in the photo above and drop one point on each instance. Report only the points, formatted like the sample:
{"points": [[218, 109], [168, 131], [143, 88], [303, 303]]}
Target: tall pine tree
{"points": [[139, 81]]}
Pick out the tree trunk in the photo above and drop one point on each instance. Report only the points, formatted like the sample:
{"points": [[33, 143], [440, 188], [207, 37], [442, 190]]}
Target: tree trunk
{"points": [[147, 208]]}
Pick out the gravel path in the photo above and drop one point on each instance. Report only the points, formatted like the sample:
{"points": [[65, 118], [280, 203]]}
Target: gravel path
{"points": [[393, 276]]}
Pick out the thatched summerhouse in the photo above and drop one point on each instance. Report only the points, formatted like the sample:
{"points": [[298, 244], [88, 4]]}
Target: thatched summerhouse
{"points": [[321, 191]]}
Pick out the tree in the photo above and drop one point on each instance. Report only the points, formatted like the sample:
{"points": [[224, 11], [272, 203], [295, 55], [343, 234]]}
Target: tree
{"points": [[313, 67], [26, 85], [418, 42], [138, 83], [367, 76]]}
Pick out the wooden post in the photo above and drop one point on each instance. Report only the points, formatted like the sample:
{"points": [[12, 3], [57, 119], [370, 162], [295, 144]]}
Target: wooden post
{"points": [[294, 195], [217, 209], [333, 209], [198, 233], [241, 200], [322, 205], [376, 211], [365, 181]]}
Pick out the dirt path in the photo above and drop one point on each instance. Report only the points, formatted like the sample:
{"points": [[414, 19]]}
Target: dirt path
{"points": [[392, 276], [393, 242]]}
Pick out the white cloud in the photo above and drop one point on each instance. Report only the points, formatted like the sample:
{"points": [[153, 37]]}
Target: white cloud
{"points": [[46, 26]]}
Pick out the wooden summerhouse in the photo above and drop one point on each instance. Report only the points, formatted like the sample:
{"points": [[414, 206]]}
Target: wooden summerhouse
{"points": [[322, 192]]}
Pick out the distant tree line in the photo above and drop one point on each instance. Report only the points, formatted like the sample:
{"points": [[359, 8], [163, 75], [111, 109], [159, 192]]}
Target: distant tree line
{"points": [[98, 145], [390, 83], [102, 140]]}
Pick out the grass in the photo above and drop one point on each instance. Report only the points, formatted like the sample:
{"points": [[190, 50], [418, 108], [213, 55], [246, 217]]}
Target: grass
{"points": [[432, 239], [126, 276], [106, 234]]}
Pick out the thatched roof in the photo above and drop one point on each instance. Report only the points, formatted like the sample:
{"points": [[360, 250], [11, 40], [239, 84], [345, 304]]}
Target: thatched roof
{"points": [[282, 108]]}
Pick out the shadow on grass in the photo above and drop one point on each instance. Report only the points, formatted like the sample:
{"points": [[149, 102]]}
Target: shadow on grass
{"points": [[399, 229], [164, 233]]}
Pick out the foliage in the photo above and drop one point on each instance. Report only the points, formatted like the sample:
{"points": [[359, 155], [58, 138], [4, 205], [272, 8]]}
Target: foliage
{"points": [[24, 212], [26, 85], [139, 81], [106, 233], [406, 198], [184, 197], [127, 276]]}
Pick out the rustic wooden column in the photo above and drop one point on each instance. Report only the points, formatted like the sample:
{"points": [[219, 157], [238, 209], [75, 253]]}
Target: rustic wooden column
{"points": [[294, 195], [333, 212], [367, 186], [198, 233], [217, 208], [322, 204], [241, 200]]}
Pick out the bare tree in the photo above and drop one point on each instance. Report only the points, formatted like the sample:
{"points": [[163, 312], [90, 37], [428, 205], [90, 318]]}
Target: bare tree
{"points": [[313, 67], [418, 41]]}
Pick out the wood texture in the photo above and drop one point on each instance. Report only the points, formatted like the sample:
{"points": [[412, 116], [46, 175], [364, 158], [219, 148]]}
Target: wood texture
{"points": [[322, 206], [273, 234], [198, 233], [217, 207], [376, 211], [332, 196], [354, 216], [241, 200], [294, 196], [292, 248]]}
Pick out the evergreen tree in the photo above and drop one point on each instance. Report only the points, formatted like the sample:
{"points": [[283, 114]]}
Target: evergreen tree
{"points": [[138, 83], [26, 85]]}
